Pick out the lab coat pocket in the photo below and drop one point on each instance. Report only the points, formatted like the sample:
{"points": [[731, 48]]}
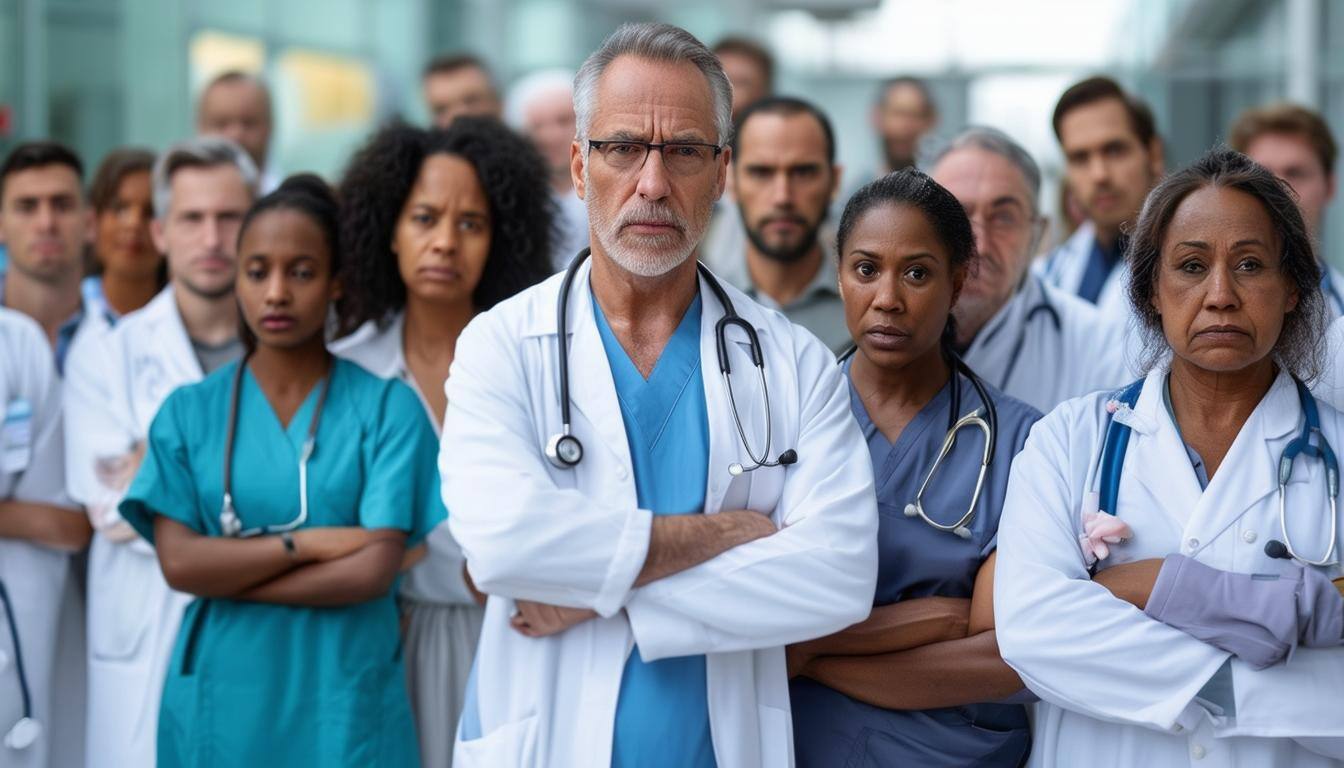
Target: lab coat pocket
{"points": [[120, 615], [776, 737], [512, 744]]}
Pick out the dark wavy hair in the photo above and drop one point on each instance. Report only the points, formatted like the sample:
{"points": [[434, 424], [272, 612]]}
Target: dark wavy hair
{"points": [[309, 195], [375, 188], [1298, 346], [914, 188]]}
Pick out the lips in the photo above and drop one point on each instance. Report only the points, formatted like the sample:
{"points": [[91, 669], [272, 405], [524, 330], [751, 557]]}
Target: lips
{"points": [[278, 323], [440, 274], [886, 337], [652, 227], [1222, 333]]}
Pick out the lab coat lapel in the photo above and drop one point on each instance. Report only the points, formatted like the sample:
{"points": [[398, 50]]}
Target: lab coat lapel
{"points": [[176, 345], [592, 389], [1249, 472], [1161, 463]]}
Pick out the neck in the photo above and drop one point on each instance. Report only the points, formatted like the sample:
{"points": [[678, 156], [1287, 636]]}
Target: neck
{"points": [[50, 304], [1205, 401], [1106, 236], [632, 302], [208, 320], [969, 326], [910, 386], [126, 293], [432, 329], [783, 281], [290, 370]]}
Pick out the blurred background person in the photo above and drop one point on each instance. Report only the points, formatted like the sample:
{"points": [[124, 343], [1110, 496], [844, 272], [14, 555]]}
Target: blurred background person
{"points": [[237, 106], [458, 84], [1113, 157], [785, 179], [1034, 342], [750, 68], [202, 189], [45, 224], [1296, 144], [440, 225], [127, 268], [541, 107], [904, 114]]}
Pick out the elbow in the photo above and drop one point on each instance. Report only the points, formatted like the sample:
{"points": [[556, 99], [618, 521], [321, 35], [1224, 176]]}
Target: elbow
{"points": [[75, 534]]}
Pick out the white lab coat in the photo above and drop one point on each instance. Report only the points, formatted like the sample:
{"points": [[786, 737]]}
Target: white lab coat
{"points": [[1024, 353], [576, 537], [1116, 686], [1329, 386], [1064, 267], [31, 469], [133, 615]]}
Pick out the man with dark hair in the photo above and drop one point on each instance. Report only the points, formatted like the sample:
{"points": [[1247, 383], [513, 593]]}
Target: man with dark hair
{"points": [[1295, 143], [1113, 157], [785, 177], [237, 106], [750, 68], [459, 84], [44, 224], [904, 113]]}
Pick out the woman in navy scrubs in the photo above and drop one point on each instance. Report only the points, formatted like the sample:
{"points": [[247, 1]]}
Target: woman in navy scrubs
{"points": [[920, 682]]}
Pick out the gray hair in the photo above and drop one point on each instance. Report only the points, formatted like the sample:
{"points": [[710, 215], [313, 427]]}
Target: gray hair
{"points": [[995, 142], [658, 42], [200, 152]]}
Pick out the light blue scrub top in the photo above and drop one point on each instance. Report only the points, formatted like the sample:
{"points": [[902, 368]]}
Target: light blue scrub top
{"points": [[662, 716], [915, 560], [259, 684]]}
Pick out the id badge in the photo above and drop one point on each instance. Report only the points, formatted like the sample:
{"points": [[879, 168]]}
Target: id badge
{"points": [[16, 436]]}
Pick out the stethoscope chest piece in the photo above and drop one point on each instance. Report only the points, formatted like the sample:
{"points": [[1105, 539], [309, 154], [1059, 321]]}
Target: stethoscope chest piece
{"points": [[564, 451], [24, 734]]}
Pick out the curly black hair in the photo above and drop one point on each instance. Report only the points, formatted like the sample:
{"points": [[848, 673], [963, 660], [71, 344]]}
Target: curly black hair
{"points": [[1298, 347], [378, 181]]}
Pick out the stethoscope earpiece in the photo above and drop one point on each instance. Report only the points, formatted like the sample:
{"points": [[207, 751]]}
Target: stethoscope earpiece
{"points": [[24, 734]]}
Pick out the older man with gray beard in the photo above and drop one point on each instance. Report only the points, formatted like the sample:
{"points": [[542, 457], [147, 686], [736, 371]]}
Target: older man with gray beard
{"points": [[649, 540]]}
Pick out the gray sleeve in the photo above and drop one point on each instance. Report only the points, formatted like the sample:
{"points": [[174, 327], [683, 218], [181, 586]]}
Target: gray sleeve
{"points": [[1259, 618]]}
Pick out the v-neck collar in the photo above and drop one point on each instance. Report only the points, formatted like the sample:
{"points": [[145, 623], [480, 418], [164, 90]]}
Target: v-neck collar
{"points": [[913, 433], [650, 402], [297, 430]]}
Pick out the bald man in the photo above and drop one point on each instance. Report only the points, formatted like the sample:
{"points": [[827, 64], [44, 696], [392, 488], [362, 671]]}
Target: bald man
{"points": [[237, 106]]}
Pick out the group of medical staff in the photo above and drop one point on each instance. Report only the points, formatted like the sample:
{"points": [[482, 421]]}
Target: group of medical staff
{"points": [[366, 484]]}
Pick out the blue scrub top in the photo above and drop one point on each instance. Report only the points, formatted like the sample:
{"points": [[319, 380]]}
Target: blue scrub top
{"points": [[261, 684], [915, 560], [662, 716]]}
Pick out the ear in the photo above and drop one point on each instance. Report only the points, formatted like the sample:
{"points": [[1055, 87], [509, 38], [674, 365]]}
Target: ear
{"points": [[337, 289], [1157, 157], [156, 234], [576, 163], [837, 173], [725, 159], [1295, 296], [958, 282]]}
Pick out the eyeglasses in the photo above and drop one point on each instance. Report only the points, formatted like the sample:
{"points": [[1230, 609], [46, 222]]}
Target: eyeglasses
{"points": [[683, 158]]}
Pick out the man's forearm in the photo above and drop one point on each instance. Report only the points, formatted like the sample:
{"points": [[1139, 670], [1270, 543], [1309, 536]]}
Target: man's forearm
{"points": [[680, 542]]}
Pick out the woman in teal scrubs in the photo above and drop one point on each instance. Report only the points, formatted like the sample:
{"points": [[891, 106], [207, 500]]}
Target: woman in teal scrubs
{"points": [[290, 655]]}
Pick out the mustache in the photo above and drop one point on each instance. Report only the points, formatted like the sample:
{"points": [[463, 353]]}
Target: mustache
{"points": [[646, 211]]}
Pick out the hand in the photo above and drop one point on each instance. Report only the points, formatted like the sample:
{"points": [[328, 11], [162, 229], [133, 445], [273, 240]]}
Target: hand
{"points": [[332, 543], [541, 620], [413, 556], [797, 657], [1131, 582], [1339, 584], [746, 525]]}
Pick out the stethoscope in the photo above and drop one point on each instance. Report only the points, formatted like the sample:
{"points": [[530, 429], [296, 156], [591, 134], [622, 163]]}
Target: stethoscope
{"points": [[1116, 441], [26, 730], [229, 522], [986, 419], [564, 449]]}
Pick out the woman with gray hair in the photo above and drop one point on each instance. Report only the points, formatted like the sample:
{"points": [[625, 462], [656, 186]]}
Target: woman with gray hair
{"points": [[1165, 548]]}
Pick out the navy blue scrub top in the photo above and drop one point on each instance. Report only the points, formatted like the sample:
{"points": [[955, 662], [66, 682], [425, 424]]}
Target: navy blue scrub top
{"points": [[915, 560]]}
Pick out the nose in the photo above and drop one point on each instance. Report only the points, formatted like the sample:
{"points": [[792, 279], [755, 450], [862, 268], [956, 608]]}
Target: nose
{"points": [[445, 237], [1221, 289], [277, 289], [653, 182], [780, 189], [213, 233], [887, 296], [46, 217], [1098, 169]]}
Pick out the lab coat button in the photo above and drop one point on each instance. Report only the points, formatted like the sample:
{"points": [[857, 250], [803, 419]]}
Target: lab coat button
{"points": [[1192, 544], [621, 473], [1248, 537], [1198, 752]]}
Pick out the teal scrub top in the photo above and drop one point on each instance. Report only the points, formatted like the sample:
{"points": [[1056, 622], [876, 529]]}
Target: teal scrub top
{"points": [[274, 685], [662, 715]]}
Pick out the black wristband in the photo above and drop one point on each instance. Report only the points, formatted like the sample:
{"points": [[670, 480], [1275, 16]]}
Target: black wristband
{"points": [[287, 539]]}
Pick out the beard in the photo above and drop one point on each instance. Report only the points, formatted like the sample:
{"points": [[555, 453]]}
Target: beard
{"points": [[649, 255], [784, 252]]}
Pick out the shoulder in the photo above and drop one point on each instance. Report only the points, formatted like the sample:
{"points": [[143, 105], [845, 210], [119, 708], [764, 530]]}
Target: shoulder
{"points": [[375, 398], [531, 312], [23, 337], [200, 405], [1013, 414], [371, 346]]}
